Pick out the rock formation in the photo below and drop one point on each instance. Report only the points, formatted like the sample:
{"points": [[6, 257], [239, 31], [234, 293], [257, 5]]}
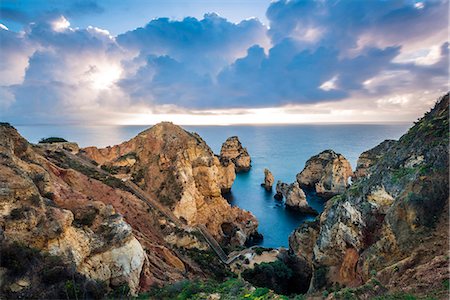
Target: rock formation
{"points": [[328, 172], [281, 190], [32, 188], [232, 150], [368, 158], [268, 180], [179, 170], [391, 225], [295, 197]]}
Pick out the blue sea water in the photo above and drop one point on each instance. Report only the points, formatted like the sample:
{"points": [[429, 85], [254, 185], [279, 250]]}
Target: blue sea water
{"points": [[282, 149]]}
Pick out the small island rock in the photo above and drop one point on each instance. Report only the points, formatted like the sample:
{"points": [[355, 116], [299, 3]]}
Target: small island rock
{"points": [[328, 172], [232, 150], [296, 199], [281, 190], [268, 180]]}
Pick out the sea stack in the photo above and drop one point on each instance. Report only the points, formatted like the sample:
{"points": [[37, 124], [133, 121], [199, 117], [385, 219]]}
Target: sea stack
{"points": [[232, 150], [268, 180], [296, 200], [328, 172]]}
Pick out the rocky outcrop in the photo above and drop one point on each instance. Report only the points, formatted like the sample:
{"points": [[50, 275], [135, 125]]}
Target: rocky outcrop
{"points": [[295, 197], [179, 169], [268, 180], [233, 151], [281, 190], [391, 225], [368, 158], [296, 200], [328, 173], [29, 214]]}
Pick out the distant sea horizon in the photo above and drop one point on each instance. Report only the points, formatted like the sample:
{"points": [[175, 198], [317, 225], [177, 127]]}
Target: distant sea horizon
{"points": [[281, 148]]}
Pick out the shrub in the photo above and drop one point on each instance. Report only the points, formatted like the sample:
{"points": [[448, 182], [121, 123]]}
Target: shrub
{"points": [[274, 275], [51, 140]]}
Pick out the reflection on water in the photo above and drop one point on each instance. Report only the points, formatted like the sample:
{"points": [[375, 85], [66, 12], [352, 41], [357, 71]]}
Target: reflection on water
{"points": [[282, 149]]}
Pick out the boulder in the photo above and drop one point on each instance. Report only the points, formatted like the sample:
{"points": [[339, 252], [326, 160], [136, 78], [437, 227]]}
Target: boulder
{"points": [[268, 180], [328, 173], [232, 150]]}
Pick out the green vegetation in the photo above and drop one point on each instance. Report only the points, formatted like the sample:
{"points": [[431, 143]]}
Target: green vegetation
{"points": [[275, 275], [51, 140], [208, 262], [49, 276], [400, 173], [401, 296], [230, 289]]}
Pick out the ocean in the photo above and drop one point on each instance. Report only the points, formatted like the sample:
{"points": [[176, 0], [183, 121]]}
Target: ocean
{"points": [[283, 149]]}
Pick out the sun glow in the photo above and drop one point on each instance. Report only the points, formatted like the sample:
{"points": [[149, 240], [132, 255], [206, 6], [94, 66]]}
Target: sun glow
{"points": [[102, 77]]}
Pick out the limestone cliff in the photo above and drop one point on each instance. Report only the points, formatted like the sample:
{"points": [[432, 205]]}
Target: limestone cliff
{"points": [[328, 172], [179, 169], [295, 197], [29, 192], [391, 225], [233, 151], [368, 158]]}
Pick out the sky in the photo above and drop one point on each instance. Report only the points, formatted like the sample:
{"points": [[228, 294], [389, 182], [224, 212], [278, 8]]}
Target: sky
{"points": [[221, 62]]}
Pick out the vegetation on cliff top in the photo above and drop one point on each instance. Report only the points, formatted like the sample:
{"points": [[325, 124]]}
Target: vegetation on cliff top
{"points": [[51, 140]]}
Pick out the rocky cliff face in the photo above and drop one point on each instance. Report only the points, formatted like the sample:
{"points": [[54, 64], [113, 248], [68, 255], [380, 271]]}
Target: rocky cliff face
{"points": [[368, 158], [180, 170], [233, 151], [51, 202], [391, 225], [295, 197], [30, 189], [328, 172]]}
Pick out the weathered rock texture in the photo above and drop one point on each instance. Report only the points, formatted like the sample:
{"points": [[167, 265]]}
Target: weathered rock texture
{"points": [[295, 197], [178, 169], [327, 172], [232, 150], [268, 180], [49, 201], [368, 158], [392, 224], [30, 190]]}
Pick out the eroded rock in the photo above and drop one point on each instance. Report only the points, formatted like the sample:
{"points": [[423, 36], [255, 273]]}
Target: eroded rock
{"points": [[268, 180], [327, 172], [232, 150]]}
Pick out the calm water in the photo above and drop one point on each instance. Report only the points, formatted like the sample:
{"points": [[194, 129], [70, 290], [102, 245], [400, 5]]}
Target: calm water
{"points": [[282, 149]]}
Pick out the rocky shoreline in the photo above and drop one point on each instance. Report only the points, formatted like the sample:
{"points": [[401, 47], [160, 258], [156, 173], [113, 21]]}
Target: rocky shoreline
{"points": [[65, 210]]}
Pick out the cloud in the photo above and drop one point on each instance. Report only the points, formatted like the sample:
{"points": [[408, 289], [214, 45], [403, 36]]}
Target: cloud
{"points": [[314, 54]]}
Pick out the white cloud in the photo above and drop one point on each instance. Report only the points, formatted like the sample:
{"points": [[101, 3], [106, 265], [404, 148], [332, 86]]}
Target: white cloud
{"points": [[60, 24]]}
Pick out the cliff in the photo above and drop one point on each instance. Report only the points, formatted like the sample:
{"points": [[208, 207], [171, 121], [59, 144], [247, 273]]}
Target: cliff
{"points": [[179, 170], [51, 203], [391, 223], [327, 172]]}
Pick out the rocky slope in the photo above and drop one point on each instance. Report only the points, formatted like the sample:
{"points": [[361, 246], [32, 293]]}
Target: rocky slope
{"points": [[328, 172], [368, 158], [32, 188], [178, 169], [233, 151], [51, 202], [391, 225]]}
